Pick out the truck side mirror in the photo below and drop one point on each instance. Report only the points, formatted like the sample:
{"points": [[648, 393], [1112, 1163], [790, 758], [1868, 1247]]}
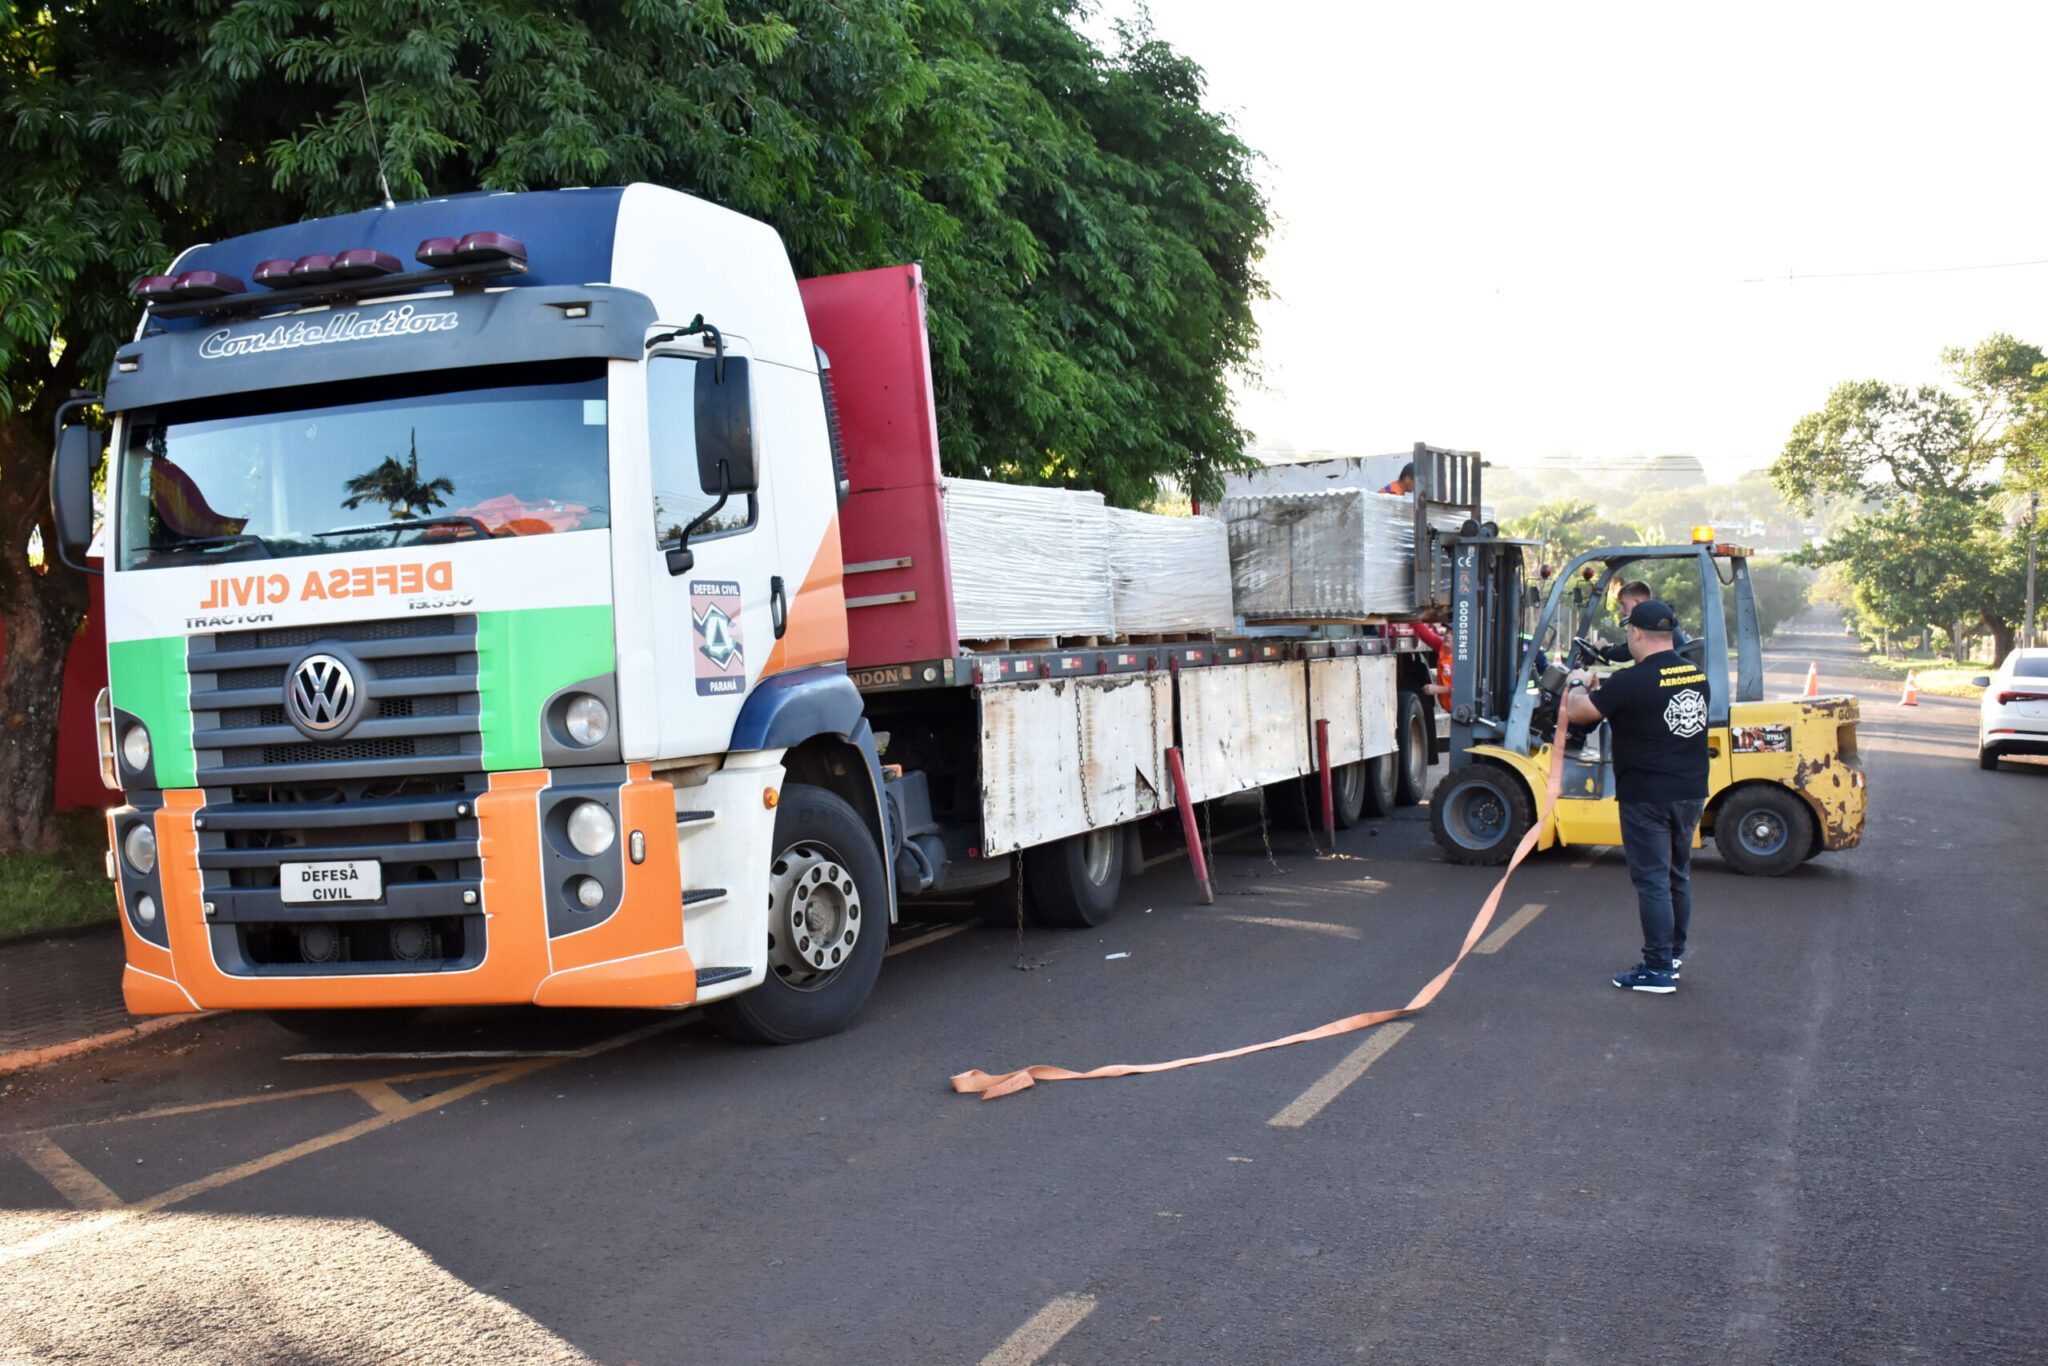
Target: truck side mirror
{"points": [[71, 465], [725, 427]]}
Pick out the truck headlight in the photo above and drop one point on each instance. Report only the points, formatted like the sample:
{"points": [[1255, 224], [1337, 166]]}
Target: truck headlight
{"points": [[588, 720], [138, 846], [592, 829], [135, 748]]}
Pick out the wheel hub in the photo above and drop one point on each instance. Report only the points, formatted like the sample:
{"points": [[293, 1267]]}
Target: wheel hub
{"points": [[814, 914]]}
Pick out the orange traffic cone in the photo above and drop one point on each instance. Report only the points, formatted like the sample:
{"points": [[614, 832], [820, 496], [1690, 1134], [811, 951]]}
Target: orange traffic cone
{"points": [[1911, 696], [1812, 681]]}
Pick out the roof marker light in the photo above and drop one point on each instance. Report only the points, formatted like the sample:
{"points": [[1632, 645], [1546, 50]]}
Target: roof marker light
{"points": [[317, 269], [437, 251], [193, 284], [362, 263], [208, 284], [489, 246], [275, 273]]}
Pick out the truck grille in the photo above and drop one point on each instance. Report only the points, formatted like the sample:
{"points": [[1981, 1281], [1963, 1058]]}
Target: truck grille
{"points": [[421, 831], [419, 676]]}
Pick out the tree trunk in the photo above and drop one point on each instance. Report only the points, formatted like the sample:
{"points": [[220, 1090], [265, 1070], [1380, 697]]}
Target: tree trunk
{"points": [[1955, 641], [41, 612], [2002, 636]]}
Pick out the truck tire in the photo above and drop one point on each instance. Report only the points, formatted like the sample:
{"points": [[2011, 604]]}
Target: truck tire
{"points": [[1479, 813], [343, 1023], [1382, 784], [1763, 831], [1348, 784], [828, 924], [1072, 883], [1411, 734]]}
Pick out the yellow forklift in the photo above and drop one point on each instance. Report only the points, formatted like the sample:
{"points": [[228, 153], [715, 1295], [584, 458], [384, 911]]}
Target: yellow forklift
{"points": [[1784, 781]]}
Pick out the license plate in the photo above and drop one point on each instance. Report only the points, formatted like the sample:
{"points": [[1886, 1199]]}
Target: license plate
{"points": [[360, 879]]}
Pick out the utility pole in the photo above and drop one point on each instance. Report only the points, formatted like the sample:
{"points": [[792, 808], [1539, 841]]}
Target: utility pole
{"points": [[2033, 529]]}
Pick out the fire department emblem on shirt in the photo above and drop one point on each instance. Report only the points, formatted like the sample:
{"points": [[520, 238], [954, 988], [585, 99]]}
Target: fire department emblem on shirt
{"points": [[720, 649], [1686, 713]]}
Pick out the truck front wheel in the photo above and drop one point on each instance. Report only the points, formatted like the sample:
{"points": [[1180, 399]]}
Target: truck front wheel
{"points": [[1763, 831], [1073, 882], [828, 924], [1480, 813]]}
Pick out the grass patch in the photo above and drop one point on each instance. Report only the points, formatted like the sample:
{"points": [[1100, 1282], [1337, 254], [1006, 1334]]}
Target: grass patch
{"points": [[55, 891], [1931, 673]]}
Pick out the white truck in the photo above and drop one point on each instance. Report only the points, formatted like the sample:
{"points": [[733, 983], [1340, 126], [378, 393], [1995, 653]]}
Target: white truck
{"points": [[507, 602]]}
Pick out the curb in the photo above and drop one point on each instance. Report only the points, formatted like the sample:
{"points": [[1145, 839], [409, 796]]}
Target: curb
{"points": [[25, 1059]]}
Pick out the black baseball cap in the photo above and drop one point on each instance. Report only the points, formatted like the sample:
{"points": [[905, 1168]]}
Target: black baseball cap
{"points": [[1652, 615]]}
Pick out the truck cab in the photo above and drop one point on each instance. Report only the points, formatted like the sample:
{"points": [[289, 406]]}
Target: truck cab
{"points": [[473, 590]]}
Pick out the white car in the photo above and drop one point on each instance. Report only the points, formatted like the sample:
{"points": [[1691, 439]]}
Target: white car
{"points": [[2013, 718]]}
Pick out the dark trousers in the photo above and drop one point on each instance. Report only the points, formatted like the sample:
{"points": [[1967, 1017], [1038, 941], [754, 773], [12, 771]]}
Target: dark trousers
{"points": [[1657, 837]]}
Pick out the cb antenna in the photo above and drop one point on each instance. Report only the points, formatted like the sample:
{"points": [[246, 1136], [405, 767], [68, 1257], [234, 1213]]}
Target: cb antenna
{"points": [[382, 183]]}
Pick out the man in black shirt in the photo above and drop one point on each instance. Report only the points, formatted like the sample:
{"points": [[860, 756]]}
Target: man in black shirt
{"points": [[1657, 710]]}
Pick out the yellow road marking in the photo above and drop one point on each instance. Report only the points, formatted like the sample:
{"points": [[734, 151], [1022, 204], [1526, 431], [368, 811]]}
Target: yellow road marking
{"points": [[61, 1169], [1590, 859], [1042, 1331], [171, 1111], [1310, 1103], [1513, 926], [1314, 926], [106, 1218], [942, 932], [380, 1097]]}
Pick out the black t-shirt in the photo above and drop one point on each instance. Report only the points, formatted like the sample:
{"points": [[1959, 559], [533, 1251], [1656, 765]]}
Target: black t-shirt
{"points": [[1658, 709]]}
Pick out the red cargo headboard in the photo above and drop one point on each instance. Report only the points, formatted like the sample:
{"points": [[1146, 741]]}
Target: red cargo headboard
{"points": [[871, 325]]}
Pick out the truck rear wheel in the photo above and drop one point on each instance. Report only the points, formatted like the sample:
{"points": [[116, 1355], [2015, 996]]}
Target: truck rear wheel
{"points": [[1072, 883], [1763, 831], [828, 924], [1480, 813], [1348, 784], [1411, 734], [1382, 784]]}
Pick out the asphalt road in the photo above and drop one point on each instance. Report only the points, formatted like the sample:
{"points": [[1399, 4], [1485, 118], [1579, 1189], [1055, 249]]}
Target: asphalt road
{"points": [[1827, 1147]]}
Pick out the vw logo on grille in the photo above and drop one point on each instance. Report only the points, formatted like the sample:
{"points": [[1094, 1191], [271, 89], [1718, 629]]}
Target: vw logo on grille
{"points": [[321, 695]]}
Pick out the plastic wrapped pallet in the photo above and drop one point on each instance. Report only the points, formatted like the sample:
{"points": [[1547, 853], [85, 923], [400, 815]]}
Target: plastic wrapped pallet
{"points": [[1172, 573], [1028, 562], [1329, 556]]}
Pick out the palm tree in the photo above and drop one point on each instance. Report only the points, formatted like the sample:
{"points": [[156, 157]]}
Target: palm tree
{"points": [[396, 483]]}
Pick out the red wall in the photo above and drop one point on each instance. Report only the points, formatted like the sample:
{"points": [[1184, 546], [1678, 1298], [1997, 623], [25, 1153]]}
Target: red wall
{"points": [[85, 673]]}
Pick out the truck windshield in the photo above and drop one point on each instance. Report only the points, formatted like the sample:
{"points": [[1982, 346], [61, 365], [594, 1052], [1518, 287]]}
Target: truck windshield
{"points": [[453, 455]]}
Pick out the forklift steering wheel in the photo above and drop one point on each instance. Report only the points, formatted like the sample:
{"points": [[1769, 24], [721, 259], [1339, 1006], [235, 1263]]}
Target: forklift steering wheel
{"points": [[1584, 654]]}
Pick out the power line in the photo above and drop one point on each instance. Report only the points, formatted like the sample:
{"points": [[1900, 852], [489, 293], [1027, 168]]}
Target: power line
{"points": [[1872, 274]]}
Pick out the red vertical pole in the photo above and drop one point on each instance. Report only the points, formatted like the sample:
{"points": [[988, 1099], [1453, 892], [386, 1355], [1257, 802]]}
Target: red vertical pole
{"points": [[1187, 825], [1323, 766]]}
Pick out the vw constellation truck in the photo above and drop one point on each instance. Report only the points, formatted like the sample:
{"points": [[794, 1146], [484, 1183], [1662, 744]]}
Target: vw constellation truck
{"points": [[502, 608]]}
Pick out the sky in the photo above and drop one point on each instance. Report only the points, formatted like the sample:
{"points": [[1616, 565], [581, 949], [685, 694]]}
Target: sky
{"points": [[1536, 230]]}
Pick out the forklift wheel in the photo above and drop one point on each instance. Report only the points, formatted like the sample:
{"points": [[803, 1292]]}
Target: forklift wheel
{"points": [[1763, 831], [1480, 813]]}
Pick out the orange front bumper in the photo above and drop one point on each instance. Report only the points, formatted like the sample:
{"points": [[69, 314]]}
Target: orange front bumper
{"points": [[634, 957]]}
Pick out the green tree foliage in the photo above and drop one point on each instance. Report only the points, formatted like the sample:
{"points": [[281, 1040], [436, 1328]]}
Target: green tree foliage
{"points": [[1090, 231], [1780, 588], [1933, 548]]}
